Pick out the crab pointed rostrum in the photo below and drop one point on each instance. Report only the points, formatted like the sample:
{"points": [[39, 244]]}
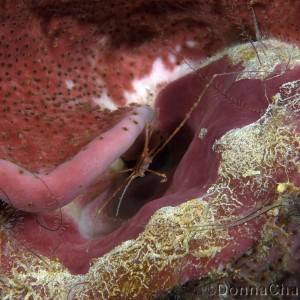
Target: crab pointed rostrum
{"points": [[83, 211]]}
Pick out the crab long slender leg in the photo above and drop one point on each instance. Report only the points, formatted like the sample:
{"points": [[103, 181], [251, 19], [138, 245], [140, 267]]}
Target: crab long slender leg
{"points": [[123, 193], [124, 184], [240, 220], [187, 116]]}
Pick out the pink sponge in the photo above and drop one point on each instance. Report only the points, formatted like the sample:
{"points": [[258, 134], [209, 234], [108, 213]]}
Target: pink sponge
{"points": [[65, 65]]}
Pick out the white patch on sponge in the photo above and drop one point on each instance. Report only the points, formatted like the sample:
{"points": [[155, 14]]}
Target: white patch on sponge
{"points": [[70, 84], [104, 101], [147, 88]]}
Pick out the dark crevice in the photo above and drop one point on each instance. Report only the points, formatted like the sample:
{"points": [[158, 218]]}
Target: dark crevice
{"points": [[143, 190]]}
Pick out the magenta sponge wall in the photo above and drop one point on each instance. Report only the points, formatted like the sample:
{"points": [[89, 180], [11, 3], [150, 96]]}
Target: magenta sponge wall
{"points": [[81, 82]]}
